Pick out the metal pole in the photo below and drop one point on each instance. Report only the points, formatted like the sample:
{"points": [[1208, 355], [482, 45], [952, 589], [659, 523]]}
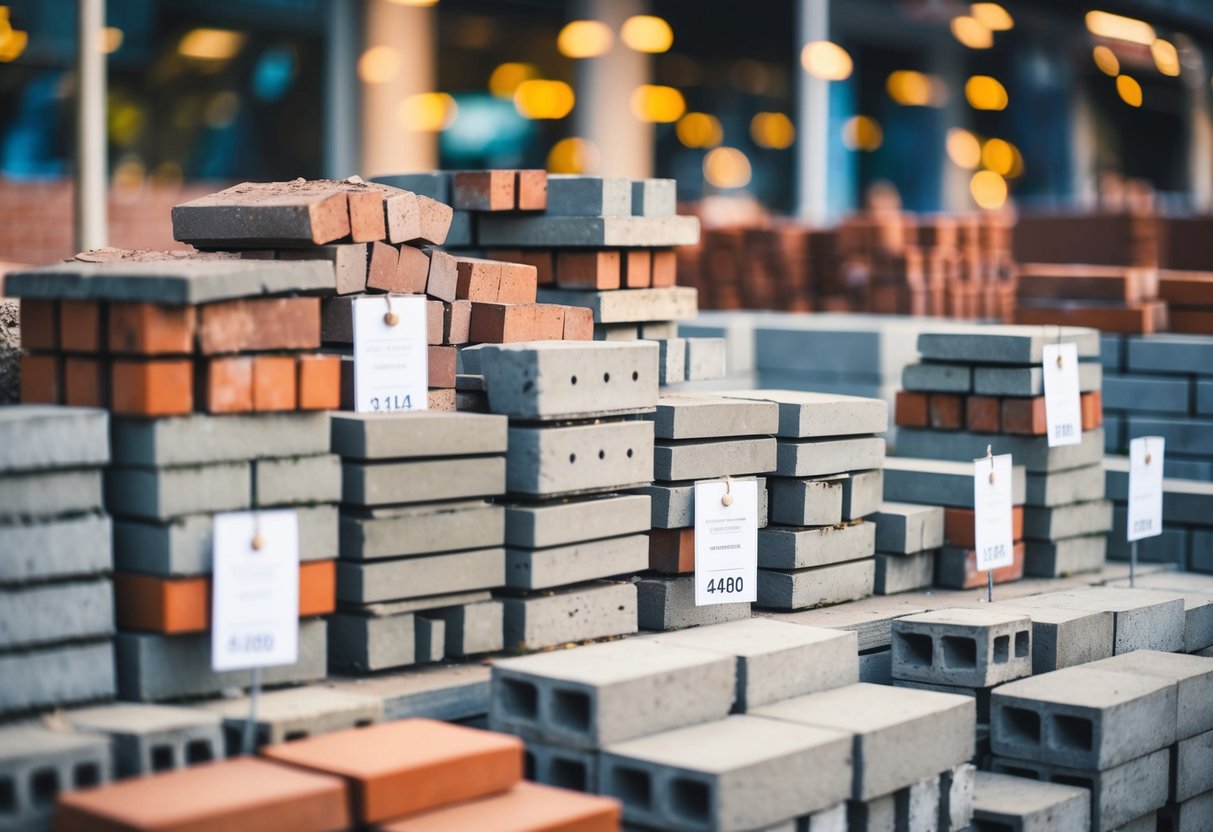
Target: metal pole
{"points": [[341, 91], [1133, 563], [248, 742], [90, 193], [812, 117], [990, 586]]}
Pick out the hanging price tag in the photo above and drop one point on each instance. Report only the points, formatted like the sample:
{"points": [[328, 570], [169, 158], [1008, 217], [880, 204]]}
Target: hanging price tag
{"points": [[992, 512], [255, 590], [391, 359], [726, 542], [1063, 410], [1145, 487]]}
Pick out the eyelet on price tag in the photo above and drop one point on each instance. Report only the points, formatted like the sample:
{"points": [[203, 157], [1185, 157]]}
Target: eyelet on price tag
{"points": [[727, 499], [390, 318]]}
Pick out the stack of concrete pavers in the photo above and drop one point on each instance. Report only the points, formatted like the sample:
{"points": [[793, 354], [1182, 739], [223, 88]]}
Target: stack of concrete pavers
{"points": [[421, 546], [1142, 619], [572, 448], [56, 599], [699, 437], [1003, 801], [1133, 729], [1197, 593], [907, 537], [1187, 533], [985, 388], [818, 548], [37, 764]]}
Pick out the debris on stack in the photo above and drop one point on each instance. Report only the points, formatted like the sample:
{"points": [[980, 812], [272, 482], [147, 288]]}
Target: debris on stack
{"points": [[1109, 298]]}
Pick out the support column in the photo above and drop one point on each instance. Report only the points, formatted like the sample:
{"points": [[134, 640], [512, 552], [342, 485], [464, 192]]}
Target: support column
{"points": [[812, 117], [1200, 145], [90, 192], [1084, 185], [341, 91]]}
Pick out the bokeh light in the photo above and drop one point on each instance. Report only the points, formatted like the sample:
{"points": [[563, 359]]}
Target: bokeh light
{"points": [[699, 130], [826, 60], [1118, 27], [584, 39], [963, 148], [1106, 60], [984, 92], [989, 190], [504, 81], [544, 99], [573, 155], [210, 44], [993, 16], [1166, 57], [378, 65], [1129, 90], [647, 33], [427, 112], [862, 133], [727, 167], [774, 131], [971, 32], [653, 102]]}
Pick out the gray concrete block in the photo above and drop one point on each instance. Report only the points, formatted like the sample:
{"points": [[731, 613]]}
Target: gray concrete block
{"points": [[1063, 487], [602, 694], [876, 667], [164, 493], [295, 714], [944, 482], [907, 528], [504, 230], [434, 184], [472, 629], [1197, 594], [589, 196], [565, 768], [806, 502], [903, 573], [861, 494], [570, 614], [624, 332], [705, 777], [1191, 675], [819, 457], [1191, 771], [1177, 468], [1005, 344], [1170, 353], [424, 604], [1203, 391], [51, 613], [876, 815], [918, 806], [576, 562], [884, 722], [807, 415], [1115, 432], [1032, 451], [937, 378], [1143, 619], [1184, 435], [1202, 551], [42, 437], [1029, 381], [1112, 351], [980, 695], [147, 739], [570, 379], [200, 439], [629, 306], [446, 692], [956, 787], [364, 644], [833, 819], [387, 580], [1192, 815], [672, 360], [37, 764], [71, 546], [668, 603], [547, 461], [788, 547], [49, 494], [776, 660], [1017, 803], [654, 197], [297, 480], [1146, 394], [422, 481], [1186, 501], [976, 648], [418, 433], [673, 504], [1094, 517], [706, 359], [1064, 637], [703, 416], [572, 521], [659, 331], [54, 676], [1067, 556], [688, 459], [824, 585], [153, 668], [421, 530], [429, 639]]}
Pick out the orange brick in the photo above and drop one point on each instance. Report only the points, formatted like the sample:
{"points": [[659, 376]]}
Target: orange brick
{"points": [[228, 385], [41, 379], [412, 271], [477, 280], [258, 324], [588, 269], [665, 267], [79, 326], [531, 190], [525, 808], [958, 526], [672, 551], [548, 322], [398, 768], [910, 409], [456, 322], [442, 281], [152, 388], [274, 383], [983, 414], [637, 268], [435, 322], [1092, 410], [974, 579], [484, 190], [501, 323], [578, 323], [518, 283], [1025, 417], [382, 262], [946, 412], [443, 400], [85, 381], [151, 329], [39, 324], [319, 382], [367, 218], [442, 366]]}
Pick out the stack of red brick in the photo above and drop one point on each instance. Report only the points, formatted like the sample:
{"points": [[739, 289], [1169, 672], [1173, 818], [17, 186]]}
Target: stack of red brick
{"points": [[1109, 298]]}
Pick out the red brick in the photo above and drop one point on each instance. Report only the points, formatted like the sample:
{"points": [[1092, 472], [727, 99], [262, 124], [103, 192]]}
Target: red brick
{"points": [[435, 219], [41, 379], [1024, 417], [637, 268], [518, 283], [1186, 288], [274, 383], [382, 262], [588, 269], [578, 323], [152, 388], [485, 190], [502, 323], [665, 267], [478, 280], [1195, 321], [456, 322], [442, 400], [319, 382], [527, 807], [442, 366], [85, 382], [531, 190], [228, 386], [412, 271], [672, 551], [983, 414], [39, 324], [258, 324], [946, 411], [1139, 319], [442, 281], [548, 322], [435, 321], [1092, 409], [368, 221], [543, 261], [151, 329], [910, 409], [79, 326], [958, 526]]}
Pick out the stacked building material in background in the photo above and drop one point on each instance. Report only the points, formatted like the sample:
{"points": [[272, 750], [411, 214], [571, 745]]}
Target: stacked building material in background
{"points": [[1128, 237], [1187, 523], [984, 389], [699, 437], [1108, 298], [1186, 283], [907, 539]]}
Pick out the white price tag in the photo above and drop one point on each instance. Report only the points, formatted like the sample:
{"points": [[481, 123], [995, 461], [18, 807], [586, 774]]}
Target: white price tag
{"points": [[391, 359], [1063, 410], [992, 512], [1145, 487], [726, 542], [255, 590]]}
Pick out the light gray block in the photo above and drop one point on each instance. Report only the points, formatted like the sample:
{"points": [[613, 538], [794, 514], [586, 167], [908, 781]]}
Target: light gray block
{"points": [[980, 695], [654, 197], [1191, 675], [565, 768], [71, 546], [668, 603], [387, 580], [37, 764], [200, 439], [1025, 805], [876, 815], [1146, 394], [629, 306], [421, 529], [164, 493], [703, 416], [937, 378], [824, 585], [1197, 593], [54, 676], [819, 457], [472, 629], [504, 230], [706, 359], [364, 644], [805, 502], [776, 660], [1068, 556], [673, 503], [806, 415], [943, 482], [861, 493], [1032, 452], [706, 776], [1063, 487], [296, 713], [658, 330], [147, 739], [572, 563], [671, 360], [1071, 520], [956, 787], [1143, 619], [429, 639], [573, 521], [624, 332], [787, 547], [884, 722], [446, 692], [1005, 344], [833, 819], [1195, 815], [906, 528], [903, 573], [580, 613], [975, 648], [297, 480], [689, 459], [876, 667], [918, 806], [1064, 637], [1191, 768], [1170, 353], [602, 694], [422, 481], [49, 494], [417, 433], [547, 461], [50, 613], [588, 196], [1029, 381], [425, 604], [35, 437]]}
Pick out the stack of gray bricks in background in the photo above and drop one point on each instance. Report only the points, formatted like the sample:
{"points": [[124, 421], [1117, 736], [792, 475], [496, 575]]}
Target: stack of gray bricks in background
{"points": [[907, 539], [169, 477], [572, 448], [1187, 521], [56, 599], [1066, 519], [421, 546], [699, 437], [818, 549], [1197, 593], [37, 764]]}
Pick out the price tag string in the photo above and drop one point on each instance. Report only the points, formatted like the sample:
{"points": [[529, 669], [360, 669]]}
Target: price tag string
{"points": [[390, 317], [248, 742], [726, 499]]}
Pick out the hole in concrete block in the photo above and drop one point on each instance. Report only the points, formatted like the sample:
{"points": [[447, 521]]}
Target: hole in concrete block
{"points": [[291, 736], [528, 387], [635, 376], [1021, 725], [528, 766], [1002, 649], [85, 775], [691, 800], [601, 454], [198, 751], [568, 774], [8, 796], [44, 787], [162, 757], [520, 699], [571, 710], [917, 649], [987, 825], [1023, 644], [231, 740], [1165, 823], [362, 723], [633, 787], [606, 378], [1074, 780], [629, 453], [573, 380], [1072, 732], [959, 652], [572, 458]]}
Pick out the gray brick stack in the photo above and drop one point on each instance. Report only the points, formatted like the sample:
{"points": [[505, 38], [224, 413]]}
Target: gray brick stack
{"points": [[1187, 533], [907, 539], [37, 764]]}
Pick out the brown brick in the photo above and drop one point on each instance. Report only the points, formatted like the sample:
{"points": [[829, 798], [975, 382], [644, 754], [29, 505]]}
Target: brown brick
{"points": [[382, 261], [1025, 417], [79, 326], [672, 551], [501, 323], [442, 281], [478, 280], [435, 221], [41, 379], [39, 324], [588, 269], [578, 323], [435, 321], [442, 400], [152, 388], [548, 322], [274, 383], [456, 322], [541, 260], [258, 324], [518, 283], [1194, 321], [485, 190], [1092, 409], [946, 411], [983, 414], [368, 221], [151, 329], [442, 366], [228, 385], [910, 409], [665, 267], [412, 271], [958, 526], [1186, 288], [531, 190], [319, 382], [85, 381], [637, 268], [1138, 319]]}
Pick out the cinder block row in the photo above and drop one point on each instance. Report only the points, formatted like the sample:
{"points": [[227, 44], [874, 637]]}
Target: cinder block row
{"points": [[46, 614], [147, 739], [38, 764], [78, 545], [976, 648], [667, 602], [823, 585], [576, 613], [673, 503], [574, 459], [59, 675], [1063, 637], [1143, 619], [903, 573]]}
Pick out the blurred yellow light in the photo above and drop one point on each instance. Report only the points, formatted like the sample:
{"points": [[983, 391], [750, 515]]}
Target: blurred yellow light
{"points": [[972, 32], [999, 156], [505, 79], [652, 102], [13, 45], [210, 44], [1129, 90], [125, 122], [1166, 57], [111, 39], [989, 190], [726, 167], [772, 130], [862, 133], [909, 88], [427, 112], [378, 65], [985, 93], [826, 60], [646, 33], [1108, 25], [1106, 60], [963, 148], [584, 39], [993, 16], [573, 155], [699, 130], [541, 98]]}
